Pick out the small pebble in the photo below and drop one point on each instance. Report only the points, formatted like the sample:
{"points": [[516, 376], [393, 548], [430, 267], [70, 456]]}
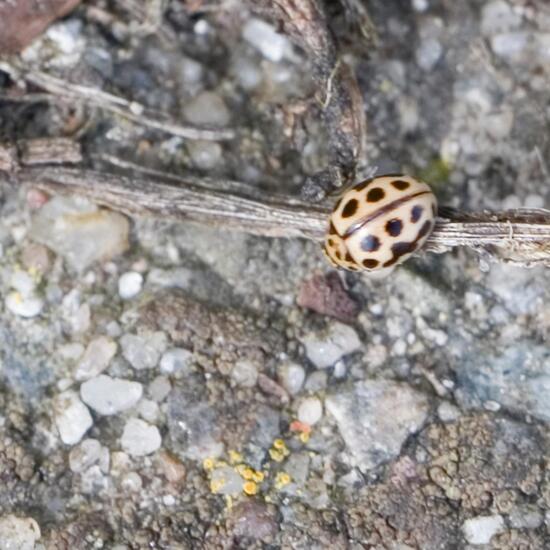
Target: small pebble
{"points": [[263, 36], [130, 284], [245, 373], [420, 6], [175, 360], [79, 231], [310, 411], [18, 533], [23, 282], [96, 358], [131, 482], [171, 466], [159, 388], [148, 410], [143, 351], [140, 438], [291, 376], [316, 381], [110, 396], [72, 417], [207, 109], [428, 53], [447, 412], [71, 352], [36, 256], [481, 529], [24, 306], [205, 155], [325, 349], [85, 455]]}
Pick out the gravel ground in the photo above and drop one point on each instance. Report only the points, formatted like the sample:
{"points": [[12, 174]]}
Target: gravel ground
{"points": [[173, 386]]}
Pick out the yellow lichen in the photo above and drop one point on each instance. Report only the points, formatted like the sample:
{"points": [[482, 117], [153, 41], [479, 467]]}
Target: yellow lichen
{"points": [[282, 479], [235, 457], [248, 473], [304, 437], [250, 488], [258, 476], [276, 455], [216, 485], [208, 464]]}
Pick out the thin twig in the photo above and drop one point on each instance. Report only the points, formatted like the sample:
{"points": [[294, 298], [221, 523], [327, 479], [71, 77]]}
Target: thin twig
{"points": [[517, 236], [63, 91]]}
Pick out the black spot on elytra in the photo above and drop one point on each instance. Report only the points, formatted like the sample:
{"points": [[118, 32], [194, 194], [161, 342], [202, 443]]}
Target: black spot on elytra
{"points": [[332, 229], [403, 248], [349, 258], [424, 230], [353, 268], [350, 208], [370, 243], [330, 242], [416, 212], [338, 255], [394, 227], [375, 194], [370, 264], [401, 185], [362, 185]]}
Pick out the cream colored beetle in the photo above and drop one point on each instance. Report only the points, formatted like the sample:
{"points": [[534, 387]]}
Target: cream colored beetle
{"points": [[380, 222]]}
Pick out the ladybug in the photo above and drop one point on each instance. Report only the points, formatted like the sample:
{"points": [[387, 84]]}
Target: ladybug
{"points": [[379, 223]]}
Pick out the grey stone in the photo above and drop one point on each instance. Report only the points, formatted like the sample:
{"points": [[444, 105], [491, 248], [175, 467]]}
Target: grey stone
{"points": [[375, 417]]}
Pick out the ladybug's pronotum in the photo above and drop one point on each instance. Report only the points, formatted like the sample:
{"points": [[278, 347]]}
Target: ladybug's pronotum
{"points": [[379, 223]]}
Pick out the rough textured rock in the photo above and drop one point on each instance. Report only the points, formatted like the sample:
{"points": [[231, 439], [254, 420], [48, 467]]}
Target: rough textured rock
{"points": [[371, 435]]}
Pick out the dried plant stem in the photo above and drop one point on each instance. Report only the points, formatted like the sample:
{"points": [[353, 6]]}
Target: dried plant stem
{"points": [[518, 236], [60, 90]]}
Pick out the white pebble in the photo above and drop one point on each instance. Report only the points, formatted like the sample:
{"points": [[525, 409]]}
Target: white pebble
{"points": [[22, 282], [205, 155], [324, 350], [420, 5], [24, 306], [480, 530], [244, 373], [85, 455], [96, 358], [109, 396], [148, 410], [79, 231], [159, 388], [130, 284], [292, 376], [175, 360], [71, 352], [140, 438], [207, 109], [428, 53], [143, 351], [310, 411], [131, 482], [18, 533], [266, 39], [72, 417], [510, 44]]}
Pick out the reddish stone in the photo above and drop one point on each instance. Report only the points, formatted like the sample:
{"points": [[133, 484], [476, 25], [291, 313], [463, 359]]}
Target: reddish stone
{"points": [[23, 20], [326, 294]]}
